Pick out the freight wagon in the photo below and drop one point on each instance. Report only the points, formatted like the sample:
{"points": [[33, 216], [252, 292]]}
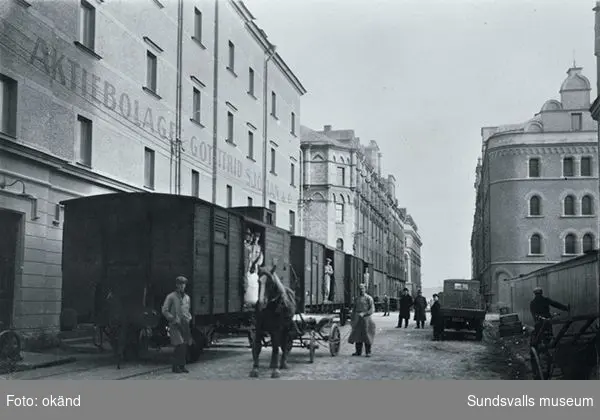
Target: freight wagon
{"points": [[133, 245]]}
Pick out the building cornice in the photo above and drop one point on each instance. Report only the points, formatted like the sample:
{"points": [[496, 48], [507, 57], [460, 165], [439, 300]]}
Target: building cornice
{"points": [[547, 149]]}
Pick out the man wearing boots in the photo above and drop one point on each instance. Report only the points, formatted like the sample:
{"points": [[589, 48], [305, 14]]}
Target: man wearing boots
{"points": [[363, 326], [177, 311]]}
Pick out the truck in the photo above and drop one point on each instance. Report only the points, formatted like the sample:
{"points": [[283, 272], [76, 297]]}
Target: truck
{"points": [[463, 307]]}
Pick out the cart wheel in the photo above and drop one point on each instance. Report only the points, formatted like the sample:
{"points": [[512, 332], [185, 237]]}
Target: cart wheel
{"points": [[10, 346], [335, 340], [312, 347], [536, 365]]}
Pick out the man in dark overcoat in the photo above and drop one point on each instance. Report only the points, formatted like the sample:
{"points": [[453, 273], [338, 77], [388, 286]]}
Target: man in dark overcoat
{"points": [[436, 319], [420, 305], [406, 302]]}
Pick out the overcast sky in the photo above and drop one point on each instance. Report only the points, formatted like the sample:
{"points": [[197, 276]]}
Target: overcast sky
{"points": [[421, 78]]}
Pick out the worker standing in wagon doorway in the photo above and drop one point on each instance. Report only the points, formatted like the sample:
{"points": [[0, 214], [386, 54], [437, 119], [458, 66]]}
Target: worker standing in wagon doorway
{"points": [[540, 307], [177, 311], [363, 326]]}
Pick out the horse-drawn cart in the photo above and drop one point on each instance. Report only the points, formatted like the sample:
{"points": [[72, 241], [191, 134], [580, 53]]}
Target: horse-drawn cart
{"points": [[308, 333], [571, 353]]}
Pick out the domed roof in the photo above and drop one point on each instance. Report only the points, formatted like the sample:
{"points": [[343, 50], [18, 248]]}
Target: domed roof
{"points": [[551, 105], [575, 80]]}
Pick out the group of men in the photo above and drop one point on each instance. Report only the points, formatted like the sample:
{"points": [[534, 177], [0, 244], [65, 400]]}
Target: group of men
{"points": [[176, 309]]}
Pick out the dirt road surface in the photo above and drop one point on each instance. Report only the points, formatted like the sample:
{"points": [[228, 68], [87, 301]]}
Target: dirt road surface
{"points": [[397, 354]]}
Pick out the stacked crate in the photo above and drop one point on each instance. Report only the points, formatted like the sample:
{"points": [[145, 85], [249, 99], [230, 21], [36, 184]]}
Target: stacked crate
{"points": [[510, 325]]}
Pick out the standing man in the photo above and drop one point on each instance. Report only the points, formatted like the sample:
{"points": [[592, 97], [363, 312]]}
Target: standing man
{"points": [[177, 311], [436, 319], [540, 307], [386, 305], [406, 302], [363, 327], [420, 306]]}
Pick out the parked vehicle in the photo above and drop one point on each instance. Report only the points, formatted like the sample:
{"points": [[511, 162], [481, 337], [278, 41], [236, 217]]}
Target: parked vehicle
{"points": [[462, 307], [133, 245]]}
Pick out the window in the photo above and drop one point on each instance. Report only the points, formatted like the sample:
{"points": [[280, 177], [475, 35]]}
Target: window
{"points": [[534, 206], [151, 71], [568, 167], [535, 244], [250, 202], [197, 25], [85, 141], [195, 183], [251, 81], [231, 65], [569, 205], [148, 168], [341, 175], [534, 168], [293, 123], [88, 25], [292, 174], [588, 242], [229, 196], [250, 145], [274, 104], [8, 106], [229, 127], [339, 212], [271, 217], [273, 155], [570, 244], [292, 222], [339, 244], [586, 166], [587, 205], [196, 111], [576, 122]]}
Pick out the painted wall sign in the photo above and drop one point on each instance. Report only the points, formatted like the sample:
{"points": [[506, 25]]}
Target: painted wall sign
{"points": [[74, 76]]}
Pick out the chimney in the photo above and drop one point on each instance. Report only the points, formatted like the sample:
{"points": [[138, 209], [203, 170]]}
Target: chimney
{"points": [[327, 128]]}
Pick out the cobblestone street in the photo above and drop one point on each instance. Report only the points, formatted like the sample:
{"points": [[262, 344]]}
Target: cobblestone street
{"points": [[397, 354]]}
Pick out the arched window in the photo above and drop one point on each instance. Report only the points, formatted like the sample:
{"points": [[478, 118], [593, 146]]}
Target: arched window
{"points": [[570, 244], [339, 244], [587, 205], [535, 206], [535, 244], [588, 242], [569, 205]]}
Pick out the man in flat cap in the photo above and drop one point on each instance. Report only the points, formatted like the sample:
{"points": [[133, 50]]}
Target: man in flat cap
{"points": [[177, 311], [540, 307]]}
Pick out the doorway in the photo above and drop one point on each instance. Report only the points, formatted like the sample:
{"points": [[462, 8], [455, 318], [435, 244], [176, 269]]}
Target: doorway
{"points": [[10, 223]]}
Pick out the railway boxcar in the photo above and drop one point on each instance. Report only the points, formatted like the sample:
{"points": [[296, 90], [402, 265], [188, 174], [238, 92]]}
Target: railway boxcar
{"points": [[354, 277], [308, 264], [135, 244], [339, 274]]}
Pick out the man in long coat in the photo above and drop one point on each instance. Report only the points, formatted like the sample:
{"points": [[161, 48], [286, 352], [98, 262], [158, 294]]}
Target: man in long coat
{"points": [[436, 319], [406, 302], [363, 326], [420, 305], [176, 309]]}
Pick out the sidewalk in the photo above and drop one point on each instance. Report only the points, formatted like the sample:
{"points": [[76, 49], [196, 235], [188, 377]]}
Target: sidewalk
{"points": [[32, 360]]}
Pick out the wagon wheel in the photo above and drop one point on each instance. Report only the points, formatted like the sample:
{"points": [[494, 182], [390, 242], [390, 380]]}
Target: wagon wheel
{"points": [[537, 365], [335, 340], [312, 346], [10, 346]]}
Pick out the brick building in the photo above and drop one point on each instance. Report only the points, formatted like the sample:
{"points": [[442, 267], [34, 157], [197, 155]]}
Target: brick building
{"points": [[90, 104], [536, 190], [347, 204], [412, 254]]}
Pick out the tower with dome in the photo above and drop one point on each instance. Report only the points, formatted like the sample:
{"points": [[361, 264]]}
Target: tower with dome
{"points": [[536, 190]]}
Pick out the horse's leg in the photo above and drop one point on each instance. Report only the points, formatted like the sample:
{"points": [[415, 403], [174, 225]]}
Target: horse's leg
{"points": [[284, 348], [256, 347], [275, 345]]}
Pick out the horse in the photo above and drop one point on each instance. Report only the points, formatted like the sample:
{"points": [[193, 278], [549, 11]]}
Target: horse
{"points": [[273, 315]]}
